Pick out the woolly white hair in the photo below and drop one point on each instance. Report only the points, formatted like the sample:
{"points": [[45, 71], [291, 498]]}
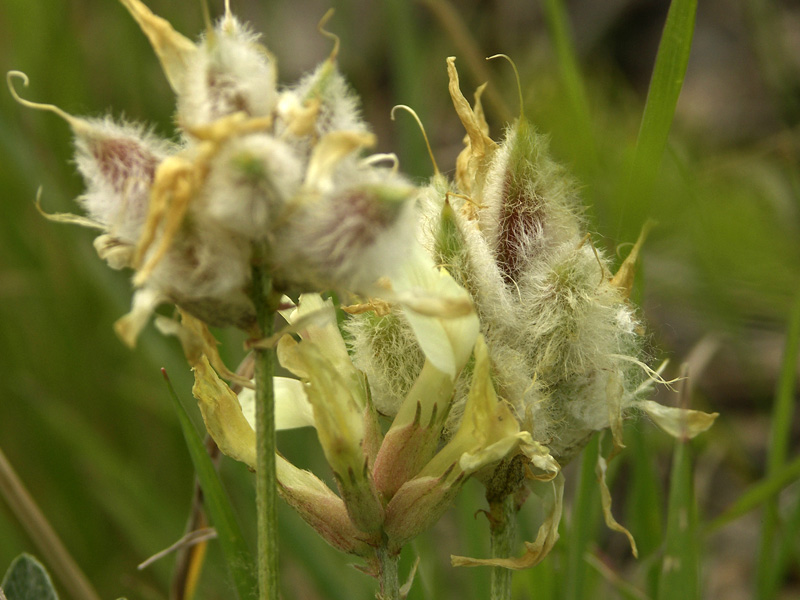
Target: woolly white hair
{"points": [[207, 271], [118, 163], [351, 236], [249, 183], [231, 72], [339, 107], [558, 331]]}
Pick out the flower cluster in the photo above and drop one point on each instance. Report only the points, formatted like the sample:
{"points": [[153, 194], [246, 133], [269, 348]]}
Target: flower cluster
{"points": [[394, 486], [563, 339], [491, 331], [259, 175]]}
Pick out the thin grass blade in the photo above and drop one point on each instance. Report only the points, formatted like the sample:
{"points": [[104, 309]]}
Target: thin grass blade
{"points": [[789, 547], [662, 98], [583, 524], [757, 494], [237, 555], [768, 569], [645, 501], [680, 567], [558, 25], [44, 537]]}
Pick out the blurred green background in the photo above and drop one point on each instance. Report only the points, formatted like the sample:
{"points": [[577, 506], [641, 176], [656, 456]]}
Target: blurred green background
{"points": [[88, 425]]}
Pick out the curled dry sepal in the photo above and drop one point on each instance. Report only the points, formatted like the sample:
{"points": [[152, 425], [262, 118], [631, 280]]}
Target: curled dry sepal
{"points": [[498, 341]]}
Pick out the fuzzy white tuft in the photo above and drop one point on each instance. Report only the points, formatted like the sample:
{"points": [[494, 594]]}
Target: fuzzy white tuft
{"points": [[231, 72], [350, 237], [555, 325], [249, 185], [327, 99], [118, 163]]}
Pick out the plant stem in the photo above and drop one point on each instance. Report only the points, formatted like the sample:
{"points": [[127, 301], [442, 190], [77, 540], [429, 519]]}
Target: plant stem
{"points": [[503, 533], [266, 477], [388, 577]]}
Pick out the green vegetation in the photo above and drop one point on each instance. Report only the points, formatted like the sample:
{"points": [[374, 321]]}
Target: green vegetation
{"points": [[89, 426]]}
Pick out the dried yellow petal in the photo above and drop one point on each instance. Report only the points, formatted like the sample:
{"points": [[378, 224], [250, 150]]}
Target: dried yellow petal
{"points": [[173, 50], [681, 423], [223, 415]]}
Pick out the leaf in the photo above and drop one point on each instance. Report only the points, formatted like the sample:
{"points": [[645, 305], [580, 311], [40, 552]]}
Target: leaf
{"points": [[680, 568], [27, 579], [662, 97], [769, 569], [582, 524], [572, 80], [757, 494], [237, 555]]}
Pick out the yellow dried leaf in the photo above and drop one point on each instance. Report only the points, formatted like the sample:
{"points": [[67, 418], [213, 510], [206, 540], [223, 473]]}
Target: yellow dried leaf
{"points": [[534, 551], [681, 423], [174, 51], [605, 500], [329, 152], [623, 278], [223, 415], [471, 162]]}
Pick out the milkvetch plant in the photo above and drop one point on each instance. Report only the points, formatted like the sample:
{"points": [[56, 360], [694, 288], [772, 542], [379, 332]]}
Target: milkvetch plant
{"points": [[486, 335], [563, 339]]}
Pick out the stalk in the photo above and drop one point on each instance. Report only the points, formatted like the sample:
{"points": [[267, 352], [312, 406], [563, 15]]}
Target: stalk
{"points": [[503, 534], [387, 574], [266, 477]]}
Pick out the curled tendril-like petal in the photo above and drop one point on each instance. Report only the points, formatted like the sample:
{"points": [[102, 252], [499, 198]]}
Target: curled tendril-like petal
{"points": [[546, 537], [383, 157], [78, 125], [516, 75], [422, 129], [321, 28], [624, 276], [605, 499], [66, 217]]}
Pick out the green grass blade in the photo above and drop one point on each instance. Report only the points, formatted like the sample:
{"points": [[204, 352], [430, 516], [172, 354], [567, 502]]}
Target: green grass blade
{"points": [[783, 408], [558, 25], [789, 546], [645, 506], [237, 555], [624, 589], [768, 569], [645, 501], [662, 97], [758, 494], [583, 524], [407, 85], [542, 582], [680, 568]]}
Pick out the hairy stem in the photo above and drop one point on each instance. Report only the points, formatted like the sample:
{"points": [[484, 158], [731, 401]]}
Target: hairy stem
{"points": [[388, 577], [503, 532], [266, 478]]}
